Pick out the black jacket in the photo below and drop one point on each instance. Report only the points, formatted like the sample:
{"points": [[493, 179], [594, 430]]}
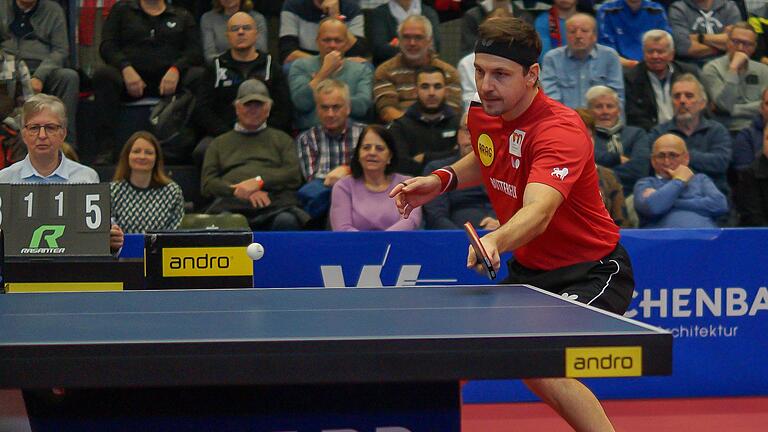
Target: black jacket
{"points": [[151, 45], [752, 194], [641, 108], [413, 135], [214, 113]]}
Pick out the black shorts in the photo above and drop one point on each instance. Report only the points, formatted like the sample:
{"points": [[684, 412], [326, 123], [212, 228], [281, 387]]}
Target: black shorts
{"points": [[605, 284]]}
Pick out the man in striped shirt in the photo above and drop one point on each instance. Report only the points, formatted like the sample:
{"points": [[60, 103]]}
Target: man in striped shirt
{"points": [[325, 149]]}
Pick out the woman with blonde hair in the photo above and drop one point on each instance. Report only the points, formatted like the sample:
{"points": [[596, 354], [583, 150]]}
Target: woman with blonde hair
{"points": [[144, 198]]}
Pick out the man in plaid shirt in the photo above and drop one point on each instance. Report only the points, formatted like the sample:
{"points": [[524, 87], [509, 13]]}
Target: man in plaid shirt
{"points": [[326, 149]]}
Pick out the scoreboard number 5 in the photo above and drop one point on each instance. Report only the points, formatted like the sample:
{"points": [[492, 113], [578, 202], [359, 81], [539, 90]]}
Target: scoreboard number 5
{"points": [[92, 211]]}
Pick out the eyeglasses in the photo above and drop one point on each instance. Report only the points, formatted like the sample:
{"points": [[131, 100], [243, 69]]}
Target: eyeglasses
{"points": [[50, 129], [415, 38], [742, 43], [237, 27], [670, 156]]}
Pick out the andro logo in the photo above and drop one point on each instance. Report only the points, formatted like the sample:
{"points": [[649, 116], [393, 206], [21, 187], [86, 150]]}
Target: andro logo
{"points": [[603, 362], [199, 262], [485, 149], [51, 235]]}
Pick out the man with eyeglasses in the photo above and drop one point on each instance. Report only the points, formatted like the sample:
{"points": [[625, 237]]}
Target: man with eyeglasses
{"points": [[676, 197], [307, 72], [427, 131], [215, 112], [734, 81], [44, 120], [709, 144], [394, 88]]}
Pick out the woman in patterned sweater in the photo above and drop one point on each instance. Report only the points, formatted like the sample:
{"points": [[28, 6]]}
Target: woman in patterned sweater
{"points": [[144, 198]]}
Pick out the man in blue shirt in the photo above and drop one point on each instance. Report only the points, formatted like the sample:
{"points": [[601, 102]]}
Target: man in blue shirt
{"points": [[676, 197], [623, 23], [569, 71], [44, 120]]}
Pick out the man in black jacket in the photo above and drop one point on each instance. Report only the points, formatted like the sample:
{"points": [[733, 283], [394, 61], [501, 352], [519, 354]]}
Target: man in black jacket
{"points": [[150, 49], [647, 85], [215, 113], [427, 131]]}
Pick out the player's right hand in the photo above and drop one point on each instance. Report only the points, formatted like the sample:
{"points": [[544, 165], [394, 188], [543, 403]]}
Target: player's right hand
{"points": [[415, 192], [493, 253]]}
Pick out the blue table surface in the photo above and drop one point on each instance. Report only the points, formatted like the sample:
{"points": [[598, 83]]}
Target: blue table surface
{"points": [[300, 314]]}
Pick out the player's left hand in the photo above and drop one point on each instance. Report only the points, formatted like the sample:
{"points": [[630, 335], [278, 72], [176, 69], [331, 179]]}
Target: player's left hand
{"points": [[491, 249], [116, 238]]}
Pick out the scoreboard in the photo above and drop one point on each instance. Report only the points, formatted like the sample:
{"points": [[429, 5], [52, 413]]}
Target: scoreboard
{"points": [[55, 220]]}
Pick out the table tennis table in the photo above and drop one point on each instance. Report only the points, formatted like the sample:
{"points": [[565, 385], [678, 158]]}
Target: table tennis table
{"points": [[308, 340]]}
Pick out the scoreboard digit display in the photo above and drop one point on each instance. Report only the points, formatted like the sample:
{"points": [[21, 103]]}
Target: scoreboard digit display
{"points": [[55, 220]]}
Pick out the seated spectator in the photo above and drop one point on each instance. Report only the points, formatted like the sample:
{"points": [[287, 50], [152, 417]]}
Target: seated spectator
{"points": [[150, 49], [610, 189], [253, 169], [751, 196], [307, 72], [472, 18], [648, 100], [387, 18], [144, 198], [708, 142], [325, 150], [44, 128], [214, 110], [748, 144], [361, 202], [569, 71], [622, 148], [734, 81], [15, 83], [550, 25], [698, 27], [11, 145], [676, 197], [466, 66], [300, 20], [451, 209], [214, 27], [394, 89], [622, 25], [35, 31], [427, 131]]}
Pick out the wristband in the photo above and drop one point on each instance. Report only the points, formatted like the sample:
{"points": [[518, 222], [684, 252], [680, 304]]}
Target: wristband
{"points": [[448, 179], [174, 68], [260, 181]]}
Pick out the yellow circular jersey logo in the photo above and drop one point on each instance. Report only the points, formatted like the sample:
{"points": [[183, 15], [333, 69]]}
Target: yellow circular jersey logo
{"points": [[485, 149]]}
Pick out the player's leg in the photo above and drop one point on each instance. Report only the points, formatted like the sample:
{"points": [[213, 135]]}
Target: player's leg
{"points": [[573, 401]]}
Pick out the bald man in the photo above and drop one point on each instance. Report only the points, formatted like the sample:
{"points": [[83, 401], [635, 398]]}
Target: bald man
{"points": [[676, 197], [306, 73]]}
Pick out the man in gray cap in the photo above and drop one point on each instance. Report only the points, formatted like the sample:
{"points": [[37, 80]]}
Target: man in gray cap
{"points": [[253, 169]]}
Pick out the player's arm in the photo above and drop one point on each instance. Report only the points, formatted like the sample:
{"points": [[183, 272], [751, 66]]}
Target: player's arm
{"points": [[417, 191], [540, 202]]}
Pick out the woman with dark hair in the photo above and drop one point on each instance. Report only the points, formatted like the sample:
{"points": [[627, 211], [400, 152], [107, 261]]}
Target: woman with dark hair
{"points": [[144, 198], [213, 27], [360, 202]]}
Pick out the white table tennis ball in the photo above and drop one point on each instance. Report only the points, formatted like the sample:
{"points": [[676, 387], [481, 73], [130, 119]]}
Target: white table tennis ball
{"points": [[255, 251]]}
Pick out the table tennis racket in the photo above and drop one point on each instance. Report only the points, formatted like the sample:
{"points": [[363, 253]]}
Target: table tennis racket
{"points": [[480, 253]]}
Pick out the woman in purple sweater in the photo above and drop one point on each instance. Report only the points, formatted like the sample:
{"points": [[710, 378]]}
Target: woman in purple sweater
{"points": [[360, 202]]}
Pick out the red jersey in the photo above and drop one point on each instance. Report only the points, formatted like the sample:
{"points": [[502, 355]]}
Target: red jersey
{"points": [[547, 144]]}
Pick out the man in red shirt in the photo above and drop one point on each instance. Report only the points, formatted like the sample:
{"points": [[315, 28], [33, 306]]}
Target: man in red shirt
{"points": [[536, 159]]}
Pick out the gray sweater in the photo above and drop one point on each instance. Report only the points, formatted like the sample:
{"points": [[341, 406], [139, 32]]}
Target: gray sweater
{"points": [[737, 97], [48, 49]]}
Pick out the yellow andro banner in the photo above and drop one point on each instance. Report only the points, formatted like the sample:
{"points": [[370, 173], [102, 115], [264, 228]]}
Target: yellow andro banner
{"points": [[210, 261], [618, 361], [31, 287]]}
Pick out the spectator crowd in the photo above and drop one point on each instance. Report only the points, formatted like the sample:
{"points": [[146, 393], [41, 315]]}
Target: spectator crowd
{"points": [[304, 114]]}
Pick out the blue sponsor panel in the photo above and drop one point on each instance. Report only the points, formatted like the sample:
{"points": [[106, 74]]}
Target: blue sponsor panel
{"points": [[708, 287]]}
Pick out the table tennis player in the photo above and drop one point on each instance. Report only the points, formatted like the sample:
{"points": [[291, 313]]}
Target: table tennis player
{"points": [[537, 162]]}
